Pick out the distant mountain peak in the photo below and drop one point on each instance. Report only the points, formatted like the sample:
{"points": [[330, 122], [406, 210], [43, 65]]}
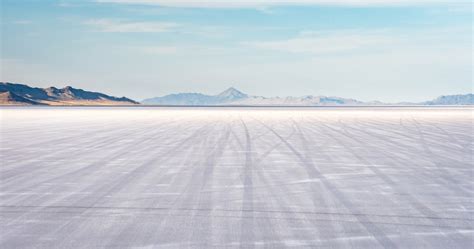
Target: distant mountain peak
{"points": [[228, 96], [231, 89], [232, 93]]}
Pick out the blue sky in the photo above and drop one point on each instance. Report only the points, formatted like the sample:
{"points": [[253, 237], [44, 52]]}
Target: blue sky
{"points": [[391, 50]]}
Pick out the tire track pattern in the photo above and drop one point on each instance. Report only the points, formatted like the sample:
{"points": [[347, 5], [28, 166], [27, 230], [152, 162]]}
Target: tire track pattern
{"points": [[237, 178]]}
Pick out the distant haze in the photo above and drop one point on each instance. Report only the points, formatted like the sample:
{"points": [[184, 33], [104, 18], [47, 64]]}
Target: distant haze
{"points": [[234, 97], [391, 51]]}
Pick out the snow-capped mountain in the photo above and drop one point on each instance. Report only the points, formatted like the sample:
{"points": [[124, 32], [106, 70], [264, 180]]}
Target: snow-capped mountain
{"points": [[459, 99], [181, 99], [233, 96], [296, 101], [226, 97]]}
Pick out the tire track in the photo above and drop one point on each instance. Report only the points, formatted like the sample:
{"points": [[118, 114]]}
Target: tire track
{"points": [[446, 180], [247, 238], [413, 201], [116, 185], [314, 172]]}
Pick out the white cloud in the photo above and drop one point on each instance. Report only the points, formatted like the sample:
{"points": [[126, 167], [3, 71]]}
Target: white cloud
{"points": [[108, 25], [182, 49], [263, 3], [363, 41], [334, 42], [155, 50], [23, 22], [66, 4]]}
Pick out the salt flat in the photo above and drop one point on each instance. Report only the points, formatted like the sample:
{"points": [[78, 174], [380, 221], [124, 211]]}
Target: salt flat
{"points": [[236, 177]]}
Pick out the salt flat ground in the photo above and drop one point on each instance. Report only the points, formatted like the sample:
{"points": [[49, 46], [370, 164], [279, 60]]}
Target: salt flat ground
{"points": [[236, 177]]}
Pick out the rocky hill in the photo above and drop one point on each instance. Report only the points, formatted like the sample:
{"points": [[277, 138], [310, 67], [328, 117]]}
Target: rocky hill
{"points": [[19, 94]]}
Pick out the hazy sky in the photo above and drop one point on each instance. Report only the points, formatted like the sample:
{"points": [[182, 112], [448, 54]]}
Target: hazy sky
{"points": [[365, 49]]}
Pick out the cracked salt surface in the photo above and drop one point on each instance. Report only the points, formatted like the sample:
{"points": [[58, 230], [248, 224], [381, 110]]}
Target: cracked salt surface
{"points": [[236, 177]]}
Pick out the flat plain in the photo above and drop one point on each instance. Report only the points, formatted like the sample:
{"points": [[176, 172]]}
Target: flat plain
{"points": [[149, 177]]}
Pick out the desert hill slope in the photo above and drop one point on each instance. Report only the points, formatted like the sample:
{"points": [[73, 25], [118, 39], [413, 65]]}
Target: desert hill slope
{"points": [[20, 94]]}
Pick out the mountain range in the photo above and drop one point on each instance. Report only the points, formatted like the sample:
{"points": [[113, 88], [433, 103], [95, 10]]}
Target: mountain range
{"points": [[19, 94], [460, 99], [234, 97]]}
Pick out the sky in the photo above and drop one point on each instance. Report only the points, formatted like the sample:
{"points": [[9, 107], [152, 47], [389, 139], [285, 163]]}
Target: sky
{"points": [[392, 50]]}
